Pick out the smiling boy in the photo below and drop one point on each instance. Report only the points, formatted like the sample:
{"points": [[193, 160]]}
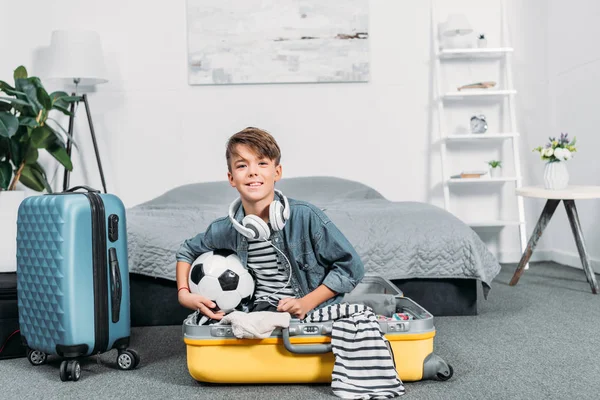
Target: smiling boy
{"points": [[301, 261]]}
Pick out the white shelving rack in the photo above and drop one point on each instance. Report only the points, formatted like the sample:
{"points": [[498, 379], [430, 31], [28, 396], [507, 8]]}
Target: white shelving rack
{"points": [[480, 54]]}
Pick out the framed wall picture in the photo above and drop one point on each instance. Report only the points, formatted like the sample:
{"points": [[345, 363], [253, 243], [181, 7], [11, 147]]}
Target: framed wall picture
{"points": [[277, 41]]}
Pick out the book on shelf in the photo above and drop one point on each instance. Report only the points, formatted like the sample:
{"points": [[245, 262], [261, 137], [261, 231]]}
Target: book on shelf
{"points": [[469, 174]]}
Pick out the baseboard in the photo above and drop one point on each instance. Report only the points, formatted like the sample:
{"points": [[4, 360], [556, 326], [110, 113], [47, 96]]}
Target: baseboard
{"points": [[558, 256]]}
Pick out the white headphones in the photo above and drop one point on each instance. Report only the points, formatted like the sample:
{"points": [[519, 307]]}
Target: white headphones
{"points": [[253, 227]]}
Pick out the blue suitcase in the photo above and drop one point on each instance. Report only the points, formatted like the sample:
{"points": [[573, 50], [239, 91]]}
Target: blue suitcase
{"points": [[73, 278]]}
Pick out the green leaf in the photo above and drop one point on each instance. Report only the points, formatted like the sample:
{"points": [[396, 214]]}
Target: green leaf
{"points": [[5, 174], [5, 106], [31, 156], [15, 151], [5, 86], [69, 136], [29, 122], [8, 124], [29, 88], [60, 154], [44, 98], [37, 168], [20, 73], [16, 101], [31, 178], [40, 136], [62, 109]]}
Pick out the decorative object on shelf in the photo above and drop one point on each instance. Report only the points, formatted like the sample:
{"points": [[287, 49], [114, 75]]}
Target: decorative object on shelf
{"points": [[481, 40], [24, 113], [76, 58], [556, 153], [478, 124], [478, 85], [456, 25], [495, 168]]}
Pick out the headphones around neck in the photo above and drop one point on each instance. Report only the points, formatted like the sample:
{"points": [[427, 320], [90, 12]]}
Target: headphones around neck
{"points": [[253, 227]]}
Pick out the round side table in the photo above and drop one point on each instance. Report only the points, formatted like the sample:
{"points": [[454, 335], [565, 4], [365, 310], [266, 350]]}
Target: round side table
{"points": [[554, 197]]}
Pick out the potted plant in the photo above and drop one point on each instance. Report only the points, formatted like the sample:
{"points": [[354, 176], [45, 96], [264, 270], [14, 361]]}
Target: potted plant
{"points": [[495, 166], [24, 131], [556, 152]]}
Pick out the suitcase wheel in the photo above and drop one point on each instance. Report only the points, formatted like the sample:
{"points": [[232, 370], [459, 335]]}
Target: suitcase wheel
{"points": [[445, 374], [70, 370], [37, 357], [128, 359]]}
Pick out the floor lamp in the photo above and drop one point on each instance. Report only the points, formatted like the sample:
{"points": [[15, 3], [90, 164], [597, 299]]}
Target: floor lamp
{"points": [[76, 58]]}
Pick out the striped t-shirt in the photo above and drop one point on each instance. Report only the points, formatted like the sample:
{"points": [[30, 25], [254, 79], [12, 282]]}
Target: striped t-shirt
{"points": [[270, 275]]}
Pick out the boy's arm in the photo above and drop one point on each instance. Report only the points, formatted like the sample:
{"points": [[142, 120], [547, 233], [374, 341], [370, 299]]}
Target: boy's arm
{"points": [[337, 254], [187, 253], [301, 307]]}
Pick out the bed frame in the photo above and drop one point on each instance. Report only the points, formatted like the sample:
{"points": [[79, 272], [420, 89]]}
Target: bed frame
{"points": [[154, 300]]}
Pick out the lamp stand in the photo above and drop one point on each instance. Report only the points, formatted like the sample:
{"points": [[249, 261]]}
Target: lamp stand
{"points": [[69, 143]]}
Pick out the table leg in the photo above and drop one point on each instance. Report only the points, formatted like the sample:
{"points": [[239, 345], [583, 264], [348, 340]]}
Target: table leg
{"points": [[583, 254], [547, 213]]}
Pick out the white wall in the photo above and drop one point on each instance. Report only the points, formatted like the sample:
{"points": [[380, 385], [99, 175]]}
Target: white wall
{"points": [[574, 74], [157, 132]]}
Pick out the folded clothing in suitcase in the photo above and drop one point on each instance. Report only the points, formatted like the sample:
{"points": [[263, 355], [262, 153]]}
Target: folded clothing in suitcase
{"points": [[73, 278], [302, 352], [10, 337]]}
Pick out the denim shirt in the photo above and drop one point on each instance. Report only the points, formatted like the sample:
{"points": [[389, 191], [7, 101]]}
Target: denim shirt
{"points": [[318, 252]]}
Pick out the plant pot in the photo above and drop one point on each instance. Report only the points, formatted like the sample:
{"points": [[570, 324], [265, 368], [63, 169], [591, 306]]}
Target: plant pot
{"points": [[9, 209], [556, 175], [481, 42], [495, 172]]}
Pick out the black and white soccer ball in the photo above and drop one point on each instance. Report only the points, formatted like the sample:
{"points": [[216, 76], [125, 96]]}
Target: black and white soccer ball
{"points": [[220, 276]]}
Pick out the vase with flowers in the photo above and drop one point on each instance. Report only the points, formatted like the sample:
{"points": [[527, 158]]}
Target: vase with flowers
{"points": [[556, 152]]}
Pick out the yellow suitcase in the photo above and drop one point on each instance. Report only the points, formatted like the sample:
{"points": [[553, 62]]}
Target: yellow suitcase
{"points": [[302, 352]]}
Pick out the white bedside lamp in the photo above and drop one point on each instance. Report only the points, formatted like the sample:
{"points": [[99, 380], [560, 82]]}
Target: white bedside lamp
{"points": [[76, 58]]}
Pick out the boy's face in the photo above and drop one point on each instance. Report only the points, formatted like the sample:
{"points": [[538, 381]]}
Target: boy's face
{"points": [[254, 177]]}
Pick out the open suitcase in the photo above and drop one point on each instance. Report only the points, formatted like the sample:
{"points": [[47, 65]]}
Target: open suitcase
{"points": [[73, 278], [302, 353]]}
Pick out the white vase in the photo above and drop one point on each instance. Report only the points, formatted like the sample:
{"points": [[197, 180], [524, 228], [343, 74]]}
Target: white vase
{"points": [[556, 175], [495, 172], [9, 209]]}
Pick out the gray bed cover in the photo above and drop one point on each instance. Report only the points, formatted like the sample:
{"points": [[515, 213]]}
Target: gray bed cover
{"points": [[396, 240]]}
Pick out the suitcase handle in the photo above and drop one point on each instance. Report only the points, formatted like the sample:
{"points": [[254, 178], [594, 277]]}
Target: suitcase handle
{"points": [[89, 189], [115, 284], [304, 348]]}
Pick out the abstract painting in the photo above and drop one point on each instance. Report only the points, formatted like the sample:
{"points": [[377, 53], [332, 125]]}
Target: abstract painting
{"points": [[277, 41]]}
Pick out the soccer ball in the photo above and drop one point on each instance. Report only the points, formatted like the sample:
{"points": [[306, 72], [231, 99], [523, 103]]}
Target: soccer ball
{"points": [[220, 276]]}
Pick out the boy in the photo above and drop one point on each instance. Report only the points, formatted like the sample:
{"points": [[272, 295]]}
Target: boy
{"points": [[301, 261]]}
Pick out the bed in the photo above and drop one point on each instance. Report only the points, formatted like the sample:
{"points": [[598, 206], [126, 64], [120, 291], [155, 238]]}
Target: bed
{"points": [[435, 258]]}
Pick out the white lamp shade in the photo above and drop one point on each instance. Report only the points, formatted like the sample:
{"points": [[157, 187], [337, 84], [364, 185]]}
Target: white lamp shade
{"points": [[457, 24], [76, 55]]}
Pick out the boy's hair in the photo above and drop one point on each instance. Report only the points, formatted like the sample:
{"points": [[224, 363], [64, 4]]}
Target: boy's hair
{"points": [[260, 141]]}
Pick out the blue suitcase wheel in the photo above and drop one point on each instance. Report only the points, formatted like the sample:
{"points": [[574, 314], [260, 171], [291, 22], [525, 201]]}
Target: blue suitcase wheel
{"points": [[70, 370], [37, 357], [126, 360], [136, 357]]}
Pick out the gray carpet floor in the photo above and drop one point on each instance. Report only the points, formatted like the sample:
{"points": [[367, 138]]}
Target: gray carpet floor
{"points": [[538, 340]]}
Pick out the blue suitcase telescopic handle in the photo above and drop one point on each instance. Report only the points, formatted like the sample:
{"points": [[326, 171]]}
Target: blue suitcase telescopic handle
{"points": [[115, 284], [303, 348]]}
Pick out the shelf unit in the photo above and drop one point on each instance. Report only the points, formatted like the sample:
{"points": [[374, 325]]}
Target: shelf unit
{"points": [[502, 53]]}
